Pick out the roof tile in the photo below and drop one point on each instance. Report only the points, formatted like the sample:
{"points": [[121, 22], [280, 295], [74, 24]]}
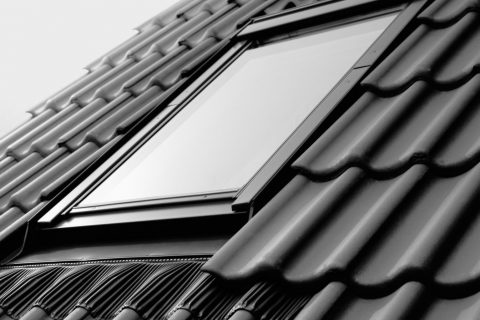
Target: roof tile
{"points": [[169, 75], [139, 82], [60, 100], [73, 165], [75, 138], [29, 173], [140, 48], [29, 195], [87, 93], [385, 135], [6, 163], [150, 289], [10, 216], [23, 293], [372, 232], [18, 168], [125, 125], [48, 142], [445, 56], [447, 11], [199, 32], [105, 131], [21, 147]]}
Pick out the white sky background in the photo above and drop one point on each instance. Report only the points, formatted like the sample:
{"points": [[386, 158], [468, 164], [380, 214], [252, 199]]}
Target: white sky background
{"points": [[45, 44]]}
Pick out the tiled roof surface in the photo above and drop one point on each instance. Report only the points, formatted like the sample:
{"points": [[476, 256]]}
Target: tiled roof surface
{"points": [[372, 232], [380, 221], [383, 213], [388, 134], [72, 128], [135, 290], [178, 290]]}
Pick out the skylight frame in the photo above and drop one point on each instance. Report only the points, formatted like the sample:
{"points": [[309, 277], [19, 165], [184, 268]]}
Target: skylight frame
{"points": [[243, 200]]}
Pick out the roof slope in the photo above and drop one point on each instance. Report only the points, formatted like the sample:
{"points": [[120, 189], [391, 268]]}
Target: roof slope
{"points": [[135, 290], [178, 290], [72, 128], [380, 221], [384, 203]]}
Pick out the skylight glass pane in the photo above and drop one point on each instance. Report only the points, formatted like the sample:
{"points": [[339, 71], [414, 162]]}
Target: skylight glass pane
{"points": [[223, 137]]}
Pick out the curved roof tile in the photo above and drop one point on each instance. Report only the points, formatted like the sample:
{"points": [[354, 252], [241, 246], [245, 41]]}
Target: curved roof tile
{"points": [[447, 11], [374, 233], [147, 289], [387, 135], [446, 56]]}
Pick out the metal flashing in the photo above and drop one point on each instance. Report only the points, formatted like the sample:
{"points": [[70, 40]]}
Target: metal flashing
{"points": [[313, 15]]}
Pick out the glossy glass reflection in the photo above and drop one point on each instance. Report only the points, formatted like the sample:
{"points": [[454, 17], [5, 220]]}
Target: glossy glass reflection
{"points": [[229, 131]]}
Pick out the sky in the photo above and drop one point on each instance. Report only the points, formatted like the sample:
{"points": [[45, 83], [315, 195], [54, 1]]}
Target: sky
{"points": [[46, 44]]}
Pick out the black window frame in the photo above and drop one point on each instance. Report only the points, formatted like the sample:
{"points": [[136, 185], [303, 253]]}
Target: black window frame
{"points": [[62, 211]]}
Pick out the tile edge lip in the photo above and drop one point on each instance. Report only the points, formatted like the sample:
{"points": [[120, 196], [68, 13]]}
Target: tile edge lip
{"points": [[441, 21]]}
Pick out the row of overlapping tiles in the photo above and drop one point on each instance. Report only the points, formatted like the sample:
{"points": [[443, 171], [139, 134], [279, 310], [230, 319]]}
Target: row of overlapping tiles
{"points": [[382, 221], [373, 233], [421, 107], [153, 290], [178, 290], [73, 127], [389, 193]]}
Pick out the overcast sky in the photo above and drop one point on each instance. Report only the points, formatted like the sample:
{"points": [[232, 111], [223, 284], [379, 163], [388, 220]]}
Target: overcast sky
{"points": [[45, 44]]}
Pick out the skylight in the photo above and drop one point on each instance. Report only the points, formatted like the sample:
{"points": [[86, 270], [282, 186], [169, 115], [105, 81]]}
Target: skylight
{"points": [[225, 134]]}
